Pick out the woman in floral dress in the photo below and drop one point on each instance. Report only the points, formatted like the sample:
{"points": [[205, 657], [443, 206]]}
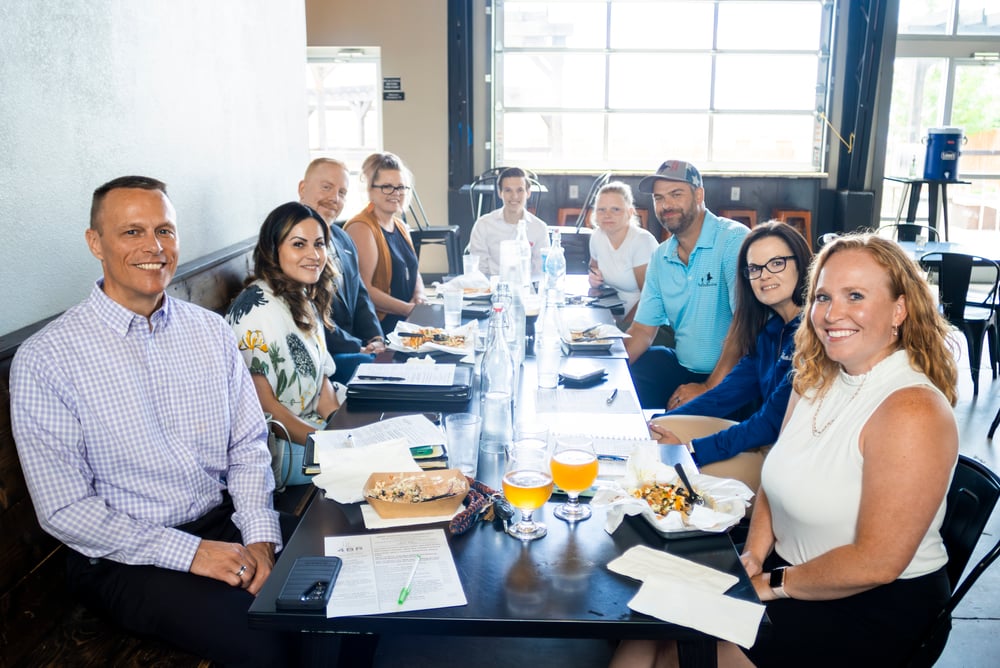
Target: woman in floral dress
{"points": [[279, 319]]}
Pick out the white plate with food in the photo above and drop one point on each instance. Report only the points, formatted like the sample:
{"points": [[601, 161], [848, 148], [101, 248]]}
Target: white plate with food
{"points": [[410, 338]]}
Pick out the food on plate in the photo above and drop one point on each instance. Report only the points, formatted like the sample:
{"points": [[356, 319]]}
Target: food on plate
{"points": [[432, 335], [663, 498], [415, 489], [476, 291]]}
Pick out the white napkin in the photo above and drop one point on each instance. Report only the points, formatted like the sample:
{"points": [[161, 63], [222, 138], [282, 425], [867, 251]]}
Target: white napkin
{"points": [[685, 603], [475, 280], [642, 562], [375, 521], [680, 591], [344, 471]]}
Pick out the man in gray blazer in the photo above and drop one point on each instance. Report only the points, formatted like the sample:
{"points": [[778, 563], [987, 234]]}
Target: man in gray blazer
{"points": [[358, 336]]}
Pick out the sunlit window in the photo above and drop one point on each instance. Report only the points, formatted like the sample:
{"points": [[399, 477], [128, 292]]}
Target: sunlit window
{"points": [[621, 84], [344, 110], [952, 82]]}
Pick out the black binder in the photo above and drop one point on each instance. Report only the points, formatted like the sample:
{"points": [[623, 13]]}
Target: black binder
{"points": [[408, 397]]}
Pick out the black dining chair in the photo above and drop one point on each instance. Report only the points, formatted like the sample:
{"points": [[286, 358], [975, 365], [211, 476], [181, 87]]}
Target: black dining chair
{"points": [[483, 195], [971, 499], [907, 231], [971, 307]]}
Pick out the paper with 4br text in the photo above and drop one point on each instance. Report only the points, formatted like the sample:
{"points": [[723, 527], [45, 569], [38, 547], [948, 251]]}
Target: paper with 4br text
{"points": [[376, 567]]}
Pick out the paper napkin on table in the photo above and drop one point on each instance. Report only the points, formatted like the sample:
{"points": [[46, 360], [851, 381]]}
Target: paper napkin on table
{"points": [[680, 591], [375, 521], [685, 603], [642, 562], [344, 471]]}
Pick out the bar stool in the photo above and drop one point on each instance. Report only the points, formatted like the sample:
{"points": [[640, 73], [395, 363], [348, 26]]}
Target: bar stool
{"points": [[800, 219]]}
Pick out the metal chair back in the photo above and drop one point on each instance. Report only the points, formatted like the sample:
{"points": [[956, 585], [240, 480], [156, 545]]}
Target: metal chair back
{"points": [[972, 496]]}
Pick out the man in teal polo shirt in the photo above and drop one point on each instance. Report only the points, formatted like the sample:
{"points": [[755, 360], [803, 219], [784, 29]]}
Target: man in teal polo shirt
{"points": [[690, 285]]}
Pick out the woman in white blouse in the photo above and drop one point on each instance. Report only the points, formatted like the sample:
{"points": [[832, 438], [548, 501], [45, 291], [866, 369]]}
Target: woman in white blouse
{"points": [[619, 248]]}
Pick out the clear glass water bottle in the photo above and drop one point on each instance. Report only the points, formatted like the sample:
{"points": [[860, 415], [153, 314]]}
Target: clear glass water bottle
{"points": [[555, 266], [548, 342], [524, 253], [496, 389]]}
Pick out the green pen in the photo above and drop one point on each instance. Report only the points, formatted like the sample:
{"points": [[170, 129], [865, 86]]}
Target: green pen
{"points": [[421, 450], [405, 591]]}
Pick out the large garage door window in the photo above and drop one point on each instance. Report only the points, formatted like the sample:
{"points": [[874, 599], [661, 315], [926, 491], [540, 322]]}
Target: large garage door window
{"points": [[621, 84]]}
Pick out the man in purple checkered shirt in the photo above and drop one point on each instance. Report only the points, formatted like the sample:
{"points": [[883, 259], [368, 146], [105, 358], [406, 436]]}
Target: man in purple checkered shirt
{"points": [[144, 446]]}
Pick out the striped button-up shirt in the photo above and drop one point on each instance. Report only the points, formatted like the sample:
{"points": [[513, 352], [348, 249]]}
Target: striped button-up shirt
{"points": [[127, 427]]}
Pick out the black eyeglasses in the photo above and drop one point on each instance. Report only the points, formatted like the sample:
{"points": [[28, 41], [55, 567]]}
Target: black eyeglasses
{"points": [[775, 265], [388, 189]]}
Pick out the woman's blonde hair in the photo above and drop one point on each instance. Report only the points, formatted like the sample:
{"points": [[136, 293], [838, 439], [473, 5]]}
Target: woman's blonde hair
{"points": [[923, 334], [615, 188], [377, 162]]}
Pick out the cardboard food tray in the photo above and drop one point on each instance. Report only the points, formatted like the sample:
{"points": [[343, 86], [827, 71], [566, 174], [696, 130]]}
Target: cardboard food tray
{"points": [[431, 483]]}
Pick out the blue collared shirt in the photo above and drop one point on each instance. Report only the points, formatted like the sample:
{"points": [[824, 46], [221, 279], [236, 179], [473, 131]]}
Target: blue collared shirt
{"points": [[126, 430], [698, 298]]}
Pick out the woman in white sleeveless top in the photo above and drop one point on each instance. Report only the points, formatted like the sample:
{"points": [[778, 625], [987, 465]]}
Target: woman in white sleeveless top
{"points": [[845, 546]]}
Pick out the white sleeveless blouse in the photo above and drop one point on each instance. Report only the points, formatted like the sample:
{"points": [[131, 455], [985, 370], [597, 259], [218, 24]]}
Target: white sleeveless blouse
{"points": [[813, 483]]}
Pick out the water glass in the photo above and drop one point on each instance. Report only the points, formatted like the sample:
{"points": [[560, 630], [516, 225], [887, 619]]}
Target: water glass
{"points": [[470, 264], [922, 238], [462, 431], [452, 309]]}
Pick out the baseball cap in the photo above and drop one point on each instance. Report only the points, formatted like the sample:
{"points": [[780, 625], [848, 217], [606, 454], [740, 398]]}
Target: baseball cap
{"points": [[673, 170]]}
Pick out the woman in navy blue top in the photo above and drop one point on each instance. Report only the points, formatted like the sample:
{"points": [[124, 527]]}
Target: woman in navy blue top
{"points": [[773, 260]]}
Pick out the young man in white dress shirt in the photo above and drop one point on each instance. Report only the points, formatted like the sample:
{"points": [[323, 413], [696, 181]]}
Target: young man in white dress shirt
{"points": [[514, 190]]}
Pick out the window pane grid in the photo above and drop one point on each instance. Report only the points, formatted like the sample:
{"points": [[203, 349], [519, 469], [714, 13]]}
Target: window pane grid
{"points": [[564, 70]]}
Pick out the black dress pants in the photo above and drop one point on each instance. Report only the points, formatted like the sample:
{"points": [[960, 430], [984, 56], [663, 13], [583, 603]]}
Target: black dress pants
{"points": [[201, 615]]}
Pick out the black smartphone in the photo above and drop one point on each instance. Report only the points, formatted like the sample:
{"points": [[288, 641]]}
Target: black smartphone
{"points": [[309, 584]]}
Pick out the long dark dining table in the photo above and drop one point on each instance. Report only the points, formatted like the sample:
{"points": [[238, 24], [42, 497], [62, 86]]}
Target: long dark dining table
{"points": [[555, 587]]}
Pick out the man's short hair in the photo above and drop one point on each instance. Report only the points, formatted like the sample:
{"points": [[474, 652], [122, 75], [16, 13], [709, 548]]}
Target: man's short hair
{"points": [[324, 161], [141, 182], [511, 173]]}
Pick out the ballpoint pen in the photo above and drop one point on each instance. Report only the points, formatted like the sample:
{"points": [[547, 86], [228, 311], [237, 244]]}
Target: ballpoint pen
{"points": [[405, 591], [381, 378], [614, 395]]}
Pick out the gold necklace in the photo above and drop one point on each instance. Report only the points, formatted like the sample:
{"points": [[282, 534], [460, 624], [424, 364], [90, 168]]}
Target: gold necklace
{"points": [[819, 406]]}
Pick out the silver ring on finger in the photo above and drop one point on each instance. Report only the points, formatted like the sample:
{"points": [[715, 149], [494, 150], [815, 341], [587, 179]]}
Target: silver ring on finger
{"points": [[243, 569]]}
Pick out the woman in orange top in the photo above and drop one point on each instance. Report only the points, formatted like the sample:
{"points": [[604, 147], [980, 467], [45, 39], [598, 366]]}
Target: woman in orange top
{"points": [[386, 258]]}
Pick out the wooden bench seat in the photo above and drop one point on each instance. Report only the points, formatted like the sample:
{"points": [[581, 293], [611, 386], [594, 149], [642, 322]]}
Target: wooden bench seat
{"points": [[40, 623]]}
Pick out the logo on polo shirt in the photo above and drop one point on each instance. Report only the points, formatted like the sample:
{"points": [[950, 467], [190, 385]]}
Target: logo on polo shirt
{"points": [[708, 281]]}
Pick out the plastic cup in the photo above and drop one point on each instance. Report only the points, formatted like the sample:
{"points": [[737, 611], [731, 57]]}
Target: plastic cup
{"points": [[452, 309], [462, 431], [470, 264]]}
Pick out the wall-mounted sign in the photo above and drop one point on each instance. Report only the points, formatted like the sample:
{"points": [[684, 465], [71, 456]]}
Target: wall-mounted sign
{"points": [[392, 89]]}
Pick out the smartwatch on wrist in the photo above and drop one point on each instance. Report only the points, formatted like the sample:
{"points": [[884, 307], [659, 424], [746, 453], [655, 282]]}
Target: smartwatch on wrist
{"points": [[777, 582]]}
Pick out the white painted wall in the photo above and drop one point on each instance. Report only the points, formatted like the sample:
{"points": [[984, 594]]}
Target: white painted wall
{"points": [[207, 96]]}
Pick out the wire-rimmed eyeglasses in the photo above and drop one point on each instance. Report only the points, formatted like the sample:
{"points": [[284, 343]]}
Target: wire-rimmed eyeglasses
{"points": [[388, 189], [775, 265]]}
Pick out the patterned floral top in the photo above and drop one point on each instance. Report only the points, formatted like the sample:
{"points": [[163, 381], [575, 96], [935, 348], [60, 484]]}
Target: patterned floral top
{"points": [[294, 362]]}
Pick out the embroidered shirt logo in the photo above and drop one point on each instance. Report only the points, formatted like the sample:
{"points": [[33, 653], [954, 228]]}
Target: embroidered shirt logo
{"points": [[708, 280]]}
